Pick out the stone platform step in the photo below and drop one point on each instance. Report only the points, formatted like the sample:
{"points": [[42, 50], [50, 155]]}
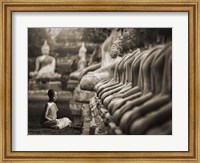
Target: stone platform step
{"points": [[42, 95], [56, 85]]}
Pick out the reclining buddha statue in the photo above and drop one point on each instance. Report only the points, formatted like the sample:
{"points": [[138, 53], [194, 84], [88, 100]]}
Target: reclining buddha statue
{"points": [[45, 65]]}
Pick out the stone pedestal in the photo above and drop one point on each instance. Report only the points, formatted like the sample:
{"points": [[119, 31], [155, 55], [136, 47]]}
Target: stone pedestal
{"points": [[77, 115], [56, 85]]}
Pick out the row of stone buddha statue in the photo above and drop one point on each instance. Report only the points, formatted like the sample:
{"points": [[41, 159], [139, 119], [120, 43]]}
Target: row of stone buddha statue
{"points": [[134, 92], [132, 86]]}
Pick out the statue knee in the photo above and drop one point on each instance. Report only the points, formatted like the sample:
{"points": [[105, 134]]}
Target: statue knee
{"points": [[107, 100], [138, 127], [86, 84]]}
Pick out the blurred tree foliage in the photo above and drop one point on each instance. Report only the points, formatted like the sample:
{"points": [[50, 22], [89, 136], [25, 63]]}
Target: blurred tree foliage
{"points": [[95, 35], [89, 35], [69, 35], [36, 37]]}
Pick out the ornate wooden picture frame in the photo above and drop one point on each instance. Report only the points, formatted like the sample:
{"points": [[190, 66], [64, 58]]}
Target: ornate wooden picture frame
{"points": [[10, 6]]}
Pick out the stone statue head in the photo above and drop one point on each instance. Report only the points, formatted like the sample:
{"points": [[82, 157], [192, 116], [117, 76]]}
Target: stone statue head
{"points": [[45, 48], [116, 48], [82, 48], [129, 39]]}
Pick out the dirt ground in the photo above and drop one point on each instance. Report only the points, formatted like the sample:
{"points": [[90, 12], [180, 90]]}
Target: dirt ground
{"points": [[34, 128], [46, 131]]}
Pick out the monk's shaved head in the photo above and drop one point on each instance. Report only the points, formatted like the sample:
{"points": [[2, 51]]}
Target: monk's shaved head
{"points": [[51, 93]]}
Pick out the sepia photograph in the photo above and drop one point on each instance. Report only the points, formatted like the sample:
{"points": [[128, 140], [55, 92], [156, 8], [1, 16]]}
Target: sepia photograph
{"points": [[99, 81], [85, 81]]}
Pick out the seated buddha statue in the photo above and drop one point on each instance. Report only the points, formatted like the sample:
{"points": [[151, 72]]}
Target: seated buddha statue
{"points": [[106, 59], [90, 79], [160, 97], [81, 63], [157, 111], [45, 65], [145, 85], [128, 44]]}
